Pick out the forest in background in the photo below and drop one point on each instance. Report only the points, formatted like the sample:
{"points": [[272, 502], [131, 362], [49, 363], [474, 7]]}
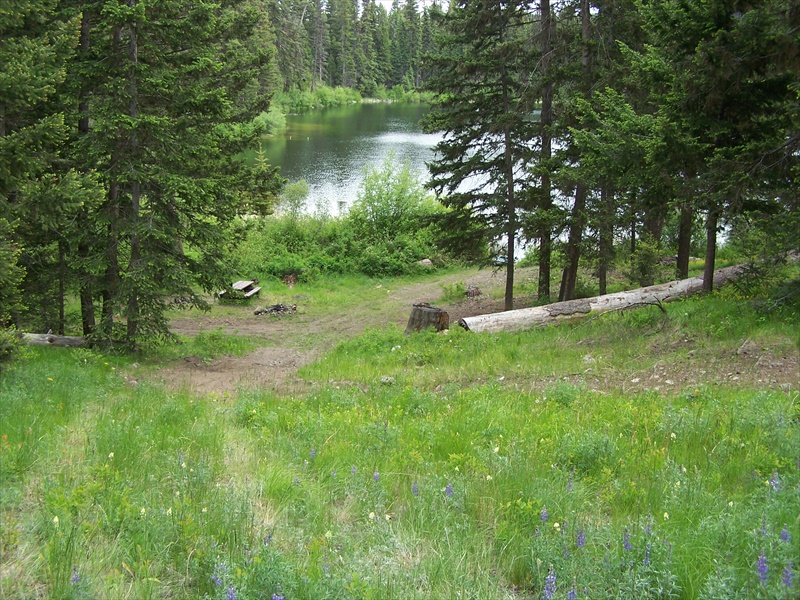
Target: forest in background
{"points": [[581, 130]]}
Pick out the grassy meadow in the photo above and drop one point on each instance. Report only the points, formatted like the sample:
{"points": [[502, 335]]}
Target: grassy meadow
{"points": [[609, 458]]}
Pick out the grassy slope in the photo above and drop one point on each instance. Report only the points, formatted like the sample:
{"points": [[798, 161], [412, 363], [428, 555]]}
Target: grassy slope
{"points": [[449, 466]]}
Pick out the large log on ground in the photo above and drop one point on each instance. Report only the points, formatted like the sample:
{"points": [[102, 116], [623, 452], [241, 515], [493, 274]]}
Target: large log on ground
{"points": [[46, 339], [527, 318], [424, 316]]}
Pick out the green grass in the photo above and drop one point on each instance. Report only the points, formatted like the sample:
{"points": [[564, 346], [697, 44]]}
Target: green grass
{"points": [[439, 466]]}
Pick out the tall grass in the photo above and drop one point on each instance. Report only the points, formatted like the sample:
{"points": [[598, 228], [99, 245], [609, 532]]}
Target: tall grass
{"points": [[438, 466]]}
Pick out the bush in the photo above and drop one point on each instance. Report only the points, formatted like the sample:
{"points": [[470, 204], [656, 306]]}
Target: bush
{"points": [[9, 345]]}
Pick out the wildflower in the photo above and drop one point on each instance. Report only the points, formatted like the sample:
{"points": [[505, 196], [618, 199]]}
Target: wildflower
{"points": [[219, 574], [762, 569], [376, 477], [333, 473], [353, 470], [566, 551], [581, 541], [142, 511], [448, 491], [328, 534], [415, 489], [110, 455], [626, 540], [372, 516], [231, 595], [569, 483], [55, 521], [544, 514], [572, 594], [666, 516], [277, 595], [297, 481], [489, 478], [646, 560], [647, 529], [785, 537], [788, 575], [75, 575], [775, 482], [169, 511], [550, 585], [313, 453]]}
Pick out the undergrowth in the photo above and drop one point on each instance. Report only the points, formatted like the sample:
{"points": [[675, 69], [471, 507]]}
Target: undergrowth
{"points": [[439, 466]]}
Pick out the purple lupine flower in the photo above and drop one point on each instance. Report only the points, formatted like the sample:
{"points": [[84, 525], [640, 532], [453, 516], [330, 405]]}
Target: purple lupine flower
{"points": [[376, 477], [581, 541], [536, 532], [333, 473], [549, 591], [231, 595], [219, 574], [415, 489], [646, 560], [544, 515], [75, 575], [647, 528], [775, 481], [353, 470], [626, 540], [297, 481], [313, 453], [788, 575], [785, 537], [762, 569], [572, 594], [448, 491], [569, 483], [566, 551], [277, 595]]}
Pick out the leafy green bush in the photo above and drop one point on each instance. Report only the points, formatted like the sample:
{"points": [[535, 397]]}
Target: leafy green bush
{"points": [[9, 345]]}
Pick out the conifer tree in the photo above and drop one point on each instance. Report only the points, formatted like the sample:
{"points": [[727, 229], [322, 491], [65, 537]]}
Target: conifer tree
{"points": [[478, 81], [171, 107]]}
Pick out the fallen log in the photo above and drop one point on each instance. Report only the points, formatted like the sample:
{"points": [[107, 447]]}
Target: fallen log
{"points": [[47, 339], [537, 316]]}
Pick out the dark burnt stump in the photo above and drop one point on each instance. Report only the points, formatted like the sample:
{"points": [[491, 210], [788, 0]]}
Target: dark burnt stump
{"points": [[424, 316]]}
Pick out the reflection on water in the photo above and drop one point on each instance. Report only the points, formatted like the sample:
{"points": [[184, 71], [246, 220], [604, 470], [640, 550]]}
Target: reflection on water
{"points": [[331, 148]]}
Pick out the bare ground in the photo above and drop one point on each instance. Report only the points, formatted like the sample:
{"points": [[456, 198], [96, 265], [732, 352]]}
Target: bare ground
{"points": [[292, 341]]}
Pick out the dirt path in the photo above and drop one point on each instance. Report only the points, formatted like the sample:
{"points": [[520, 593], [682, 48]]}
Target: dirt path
{"points": [[296, 340], [290, 342]]}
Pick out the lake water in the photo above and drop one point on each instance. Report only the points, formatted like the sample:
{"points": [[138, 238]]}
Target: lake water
{"points": [[331, 148]]}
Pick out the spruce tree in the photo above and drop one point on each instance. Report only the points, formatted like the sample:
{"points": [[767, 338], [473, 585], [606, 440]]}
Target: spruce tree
{"points": [[172, 105], [478, 78]]}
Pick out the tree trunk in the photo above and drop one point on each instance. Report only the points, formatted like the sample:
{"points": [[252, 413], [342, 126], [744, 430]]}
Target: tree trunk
{"points": [[546, 153], [511, 231], [45, 339], [684, 240], [606, 235], [711, 250], [576, 226], [527, 318], [424, 316], [134, 268]]}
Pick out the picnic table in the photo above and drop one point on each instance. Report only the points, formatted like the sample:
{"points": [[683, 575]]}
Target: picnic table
{"points": [[241, 290]]}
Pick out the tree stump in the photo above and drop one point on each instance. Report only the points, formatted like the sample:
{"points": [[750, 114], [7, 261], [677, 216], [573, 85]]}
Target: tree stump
{"points": [[424, 316]]}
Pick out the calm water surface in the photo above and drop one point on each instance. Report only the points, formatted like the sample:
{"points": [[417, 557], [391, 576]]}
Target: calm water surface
{"points": [[331, 148]]}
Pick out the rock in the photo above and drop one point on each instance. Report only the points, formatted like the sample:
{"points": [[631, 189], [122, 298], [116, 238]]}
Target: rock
{"points": [[426, 262]]}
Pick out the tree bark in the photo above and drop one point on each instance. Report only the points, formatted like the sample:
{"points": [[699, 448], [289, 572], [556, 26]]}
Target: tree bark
{"points": [[711, 250], [684, 240], [424, 316], [546, 153], [527, 318], [45, 339], [606, 235], [576, 226]]}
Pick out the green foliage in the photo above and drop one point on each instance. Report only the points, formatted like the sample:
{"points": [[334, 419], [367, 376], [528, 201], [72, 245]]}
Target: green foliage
{"points": [[386, 232], [323, 97], [9, 346], [453, 292]]}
